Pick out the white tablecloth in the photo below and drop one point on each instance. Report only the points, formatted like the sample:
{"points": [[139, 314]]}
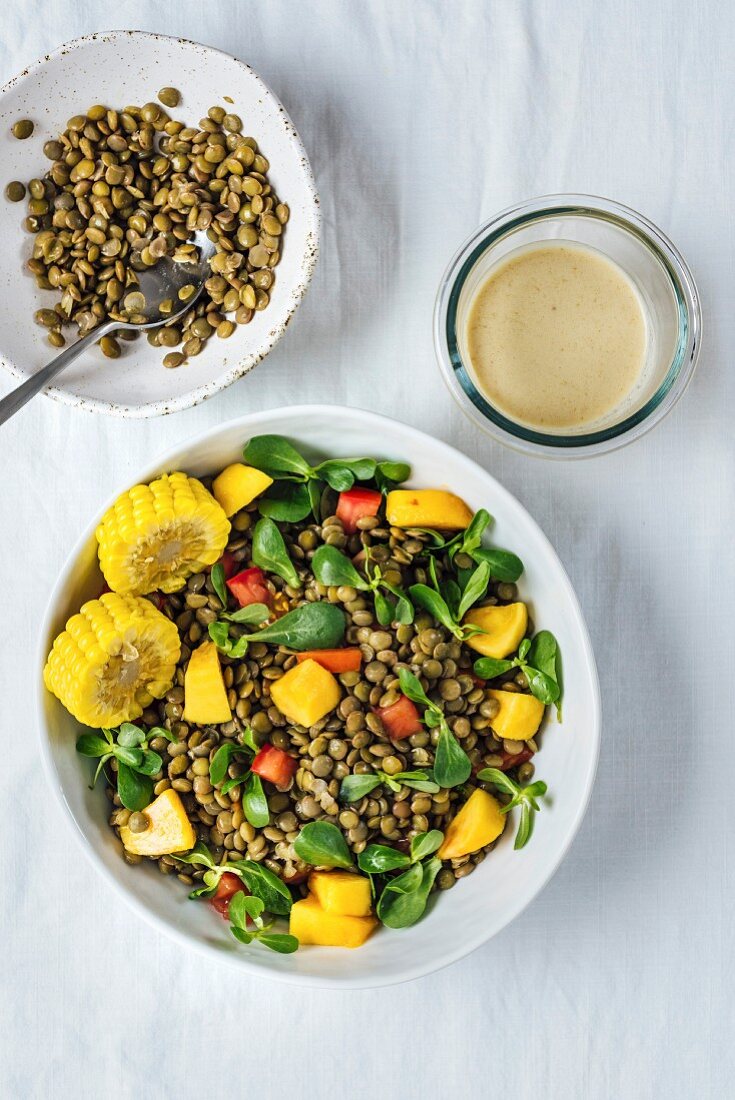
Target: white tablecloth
{"points": [[422, 119]]}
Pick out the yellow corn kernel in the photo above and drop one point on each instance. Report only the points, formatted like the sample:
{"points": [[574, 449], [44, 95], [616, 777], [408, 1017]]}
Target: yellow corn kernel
{"points": [[112, 660], [155, 536]]}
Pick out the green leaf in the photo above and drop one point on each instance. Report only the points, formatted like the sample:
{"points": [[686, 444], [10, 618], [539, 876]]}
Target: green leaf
{"points": [[322, 845], [286, 501], [130, 736], [542, 653], [132, 757], [487, 668], [161, 731], [385, 609], [136, 791], [254, 907], [276, 457], [404, 898], [452, 765], [89, 744], [237, 910], [220, 762], [281, 942], [499, 779], [355, 787], [377, 859], [425, 844], [253, 614], [99, 768], [270, 553], [471, 537], [341, 473], [432, 602], [337, 476], [417, 780], [151, 763], [199, 856], [525, 826], [475, 589], [543, 656], [248, 740], [504, 565], [333, 568], [411, 687], [389, 474], [219, 632], [240, 933], [261, 882], [523, 648], [311, 626], [314, 490], [254, 802], [218, 583], [542, 686]]}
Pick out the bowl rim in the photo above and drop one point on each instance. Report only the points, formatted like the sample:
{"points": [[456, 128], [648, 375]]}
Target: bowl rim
{"points": [[248, 422], [584, 444], [297, 291]]}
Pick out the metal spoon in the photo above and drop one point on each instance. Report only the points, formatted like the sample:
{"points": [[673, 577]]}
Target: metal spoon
{"points": [[158, 283]]}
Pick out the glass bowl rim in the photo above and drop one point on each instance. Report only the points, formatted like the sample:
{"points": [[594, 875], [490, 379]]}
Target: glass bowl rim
{"points": [[586, 444]]}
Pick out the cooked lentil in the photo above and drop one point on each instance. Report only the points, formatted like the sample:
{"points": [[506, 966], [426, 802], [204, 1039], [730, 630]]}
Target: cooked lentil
{"points": [[125, 188]]}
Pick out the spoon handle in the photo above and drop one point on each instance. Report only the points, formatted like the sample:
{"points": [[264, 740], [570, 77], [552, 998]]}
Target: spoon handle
{"points": [[28, 389]]}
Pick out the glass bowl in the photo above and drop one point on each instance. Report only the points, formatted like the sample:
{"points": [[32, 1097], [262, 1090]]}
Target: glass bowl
{"points": [[664, 283]]}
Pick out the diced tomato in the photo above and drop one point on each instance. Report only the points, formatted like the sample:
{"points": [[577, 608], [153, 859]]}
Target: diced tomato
{"points": [[228, 885], [400, 719], [510, 761], [158, 599], [228, 563], [334, 660], [355, 504], [275, 765], [250, 587]]}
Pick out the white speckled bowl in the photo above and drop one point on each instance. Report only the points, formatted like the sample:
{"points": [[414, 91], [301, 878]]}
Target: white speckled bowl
{"points": [[123, 67], [478, 907]]}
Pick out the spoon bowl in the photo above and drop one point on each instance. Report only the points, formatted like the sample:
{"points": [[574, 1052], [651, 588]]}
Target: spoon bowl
{"points": [[161, 284]]}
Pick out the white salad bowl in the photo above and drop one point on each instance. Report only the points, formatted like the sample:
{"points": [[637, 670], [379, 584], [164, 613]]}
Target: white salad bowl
{"points": [[507, 881], [118, 68]]}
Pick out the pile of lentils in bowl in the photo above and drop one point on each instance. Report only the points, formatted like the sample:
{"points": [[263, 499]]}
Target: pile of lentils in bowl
{"points": [[128, 186], [350, 740]]}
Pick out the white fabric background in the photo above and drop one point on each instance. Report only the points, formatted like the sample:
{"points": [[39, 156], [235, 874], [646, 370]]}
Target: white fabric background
{"points": [[422, 119]]}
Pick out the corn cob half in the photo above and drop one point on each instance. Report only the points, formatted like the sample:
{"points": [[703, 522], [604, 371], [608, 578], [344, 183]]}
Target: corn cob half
{"points": [[155, 536], [112, 660]]}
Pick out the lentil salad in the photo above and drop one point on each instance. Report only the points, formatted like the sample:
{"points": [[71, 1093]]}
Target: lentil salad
{"points": [[324, 587]]}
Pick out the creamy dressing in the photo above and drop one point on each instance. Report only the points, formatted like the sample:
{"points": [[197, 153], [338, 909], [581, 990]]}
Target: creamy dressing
{"points": [[556, 337]]}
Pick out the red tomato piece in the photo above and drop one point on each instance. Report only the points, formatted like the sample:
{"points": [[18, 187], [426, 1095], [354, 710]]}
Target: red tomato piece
{"points": [[275, 765], [228, 564], [228, 885], [355, 504], [400, 719], [250, 587], [334, 660]]}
